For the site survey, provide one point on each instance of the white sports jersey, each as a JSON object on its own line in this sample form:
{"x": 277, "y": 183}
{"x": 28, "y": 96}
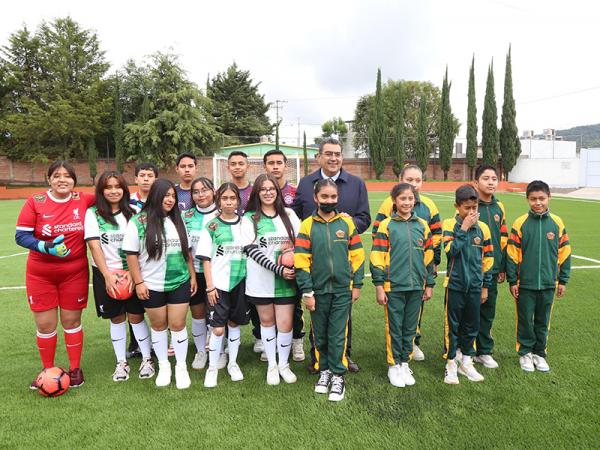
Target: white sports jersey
{"x": 109, "y": 235}
{"x": 272, "y": 239}
{"x": 195, "y": 219}
{"x": 171, "y": 270}
{"x": 222, "y": 243}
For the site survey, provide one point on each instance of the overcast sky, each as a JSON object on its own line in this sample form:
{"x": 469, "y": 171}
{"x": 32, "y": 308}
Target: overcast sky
{"x": 321, "y": 56}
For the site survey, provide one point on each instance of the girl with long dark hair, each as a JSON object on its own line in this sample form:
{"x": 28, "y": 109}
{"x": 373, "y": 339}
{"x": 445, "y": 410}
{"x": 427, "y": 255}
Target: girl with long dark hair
{"x": 162, "y": 269}
{"x": 270, "y": 283}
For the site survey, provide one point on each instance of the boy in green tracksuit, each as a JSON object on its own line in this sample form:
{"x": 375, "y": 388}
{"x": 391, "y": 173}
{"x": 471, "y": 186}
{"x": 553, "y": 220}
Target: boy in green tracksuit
{"x": 329, "y": 260}
{"x": 470, "y": 253}
{"x": 492, "y": 213}
{"x": 538, "y": 266}
{"x": 402, "y": 272}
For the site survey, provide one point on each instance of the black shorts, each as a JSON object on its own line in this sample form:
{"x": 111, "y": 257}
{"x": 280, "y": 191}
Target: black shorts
{"x": 200, "y": 298}
{"x": 106, "y": 306}
{"x": 271, "y": 300}
{"x": 176, "y": 296}
{"x": 230, "y": 306}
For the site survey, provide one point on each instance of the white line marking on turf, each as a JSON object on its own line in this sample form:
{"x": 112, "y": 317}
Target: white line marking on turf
{"x": 555, "y": 197}
{"x": 586, "y": 259}
{"x": 15, "y": 254}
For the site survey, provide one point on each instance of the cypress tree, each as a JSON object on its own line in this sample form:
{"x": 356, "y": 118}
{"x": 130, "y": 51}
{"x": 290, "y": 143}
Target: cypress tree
{"x": 118, "y": 128}
{"x": 377, "y": 131}
{"x": 446, "y": 132}
{"x": 472, "y": 122}
{"x": 510, "y": 145}
{"x": 489, "y": 129}
{"x": 422, "y": 148}
{"x": 398, "y": 144}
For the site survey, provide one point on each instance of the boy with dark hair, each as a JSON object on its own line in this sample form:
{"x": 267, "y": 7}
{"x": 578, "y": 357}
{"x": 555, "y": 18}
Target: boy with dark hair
{"x": 275, "y": 163}
{"x": 145, "y": 175}
{"x": 237, "y": 165}
{"x": 538, "y": 265}
{"x": 470, "y": 253}
{"x": 492, "y": 213}
{"x": 185, "y": 166}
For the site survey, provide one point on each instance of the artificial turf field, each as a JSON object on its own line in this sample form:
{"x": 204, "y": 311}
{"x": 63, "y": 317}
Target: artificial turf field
{"x": 510, "y": 409}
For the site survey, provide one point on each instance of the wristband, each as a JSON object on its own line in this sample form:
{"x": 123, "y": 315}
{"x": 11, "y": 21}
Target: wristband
{"x": 308, "y": 294}
{"x": 141, "y": 282}
{"x": 210, "y": 290}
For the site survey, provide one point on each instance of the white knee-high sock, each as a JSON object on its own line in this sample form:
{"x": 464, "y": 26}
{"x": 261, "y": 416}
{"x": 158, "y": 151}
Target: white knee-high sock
{"x": 160, "y": 344}
{"x": 142, "y": 336}
{"x": 234, "y": 343}
{"x": 214, "y": 350}
{"x": 284, "y": 345}
{"x": 118, "y": 336}
{"x": 199, "y": 334}
{"x": 179, "y": 340}
{"x": 269, "y": 336}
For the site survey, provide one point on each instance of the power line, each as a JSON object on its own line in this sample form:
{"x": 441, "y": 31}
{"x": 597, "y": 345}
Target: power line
{"x": 566, "y": 94}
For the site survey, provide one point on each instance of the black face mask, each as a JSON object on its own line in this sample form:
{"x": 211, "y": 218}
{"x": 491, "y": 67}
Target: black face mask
{"x": 327, "y": 207}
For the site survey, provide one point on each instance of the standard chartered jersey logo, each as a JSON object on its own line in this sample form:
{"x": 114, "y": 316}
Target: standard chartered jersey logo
{"x": 47, "y": 230}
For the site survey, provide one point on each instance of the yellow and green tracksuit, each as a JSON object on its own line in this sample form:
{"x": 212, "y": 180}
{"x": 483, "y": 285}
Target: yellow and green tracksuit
{"x": 428, "y": 211}
{"x": 470, "y": 257}
{"x": 493, "y": 215}
{"x": 538, "y": 258}
{"x": 329, "y": 259}
{"x": 402, "y": 262}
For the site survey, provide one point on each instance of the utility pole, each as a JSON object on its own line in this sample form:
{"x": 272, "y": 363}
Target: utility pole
{"x": 298, "y": 141}
{"x": 278, "y": 106}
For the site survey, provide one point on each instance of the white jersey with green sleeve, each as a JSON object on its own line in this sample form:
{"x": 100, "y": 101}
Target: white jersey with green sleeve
{"x": 110, "y": 236}
{"x": 272, "y": 239}
{"x": 222, "y": 243}
{"x": 171, "y": 270}
{"x": 195, "y": 220}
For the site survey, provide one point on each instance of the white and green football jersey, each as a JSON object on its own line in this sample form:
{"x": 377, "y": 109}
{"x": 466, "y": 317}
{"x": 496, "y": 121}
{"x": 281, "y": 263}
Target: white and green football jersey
{"x": 195, "y": 219}
{"x": 109, "y": 235}
{"x": 171, "y": 270}
{"x": 272, "y": 239}
{"x": 222, "y": 242}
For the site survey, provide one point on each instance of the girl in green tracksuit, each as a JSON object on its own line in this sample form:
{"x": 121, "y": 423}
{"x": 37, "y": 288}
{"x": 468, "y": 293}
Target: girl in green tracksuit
{"x": 329, "y": 260}
{"x": 402, "y": 272}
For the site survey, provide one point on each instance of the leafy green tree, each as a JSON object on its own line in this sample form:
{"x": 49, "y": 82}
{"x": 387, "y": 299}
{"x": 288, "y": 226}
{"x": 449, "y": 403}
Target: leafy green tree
{"x": 239, "y": 110}
{"x": 118, "y": 129}
{"x": 333, "y": 126}
{"x": 398, "y": 153}
{"x": 446, "y": 131}
{"x": 377, "y": 134}
{"x": 471, "y": 122}
{"x": 489, "y": 129}
{"x": 422, "y": 149}
{"x": 173, "y": 114}
{"x": 510, "y": 145}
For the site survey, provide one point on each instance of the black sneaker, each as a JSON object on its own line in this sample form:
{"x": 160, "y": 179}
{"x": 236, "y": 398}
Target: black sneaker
{"x": 338, "y": 388}
{"x": 133, "y": 352}
{"x": 322, "y": 384}
{"x": 76, "y": 377}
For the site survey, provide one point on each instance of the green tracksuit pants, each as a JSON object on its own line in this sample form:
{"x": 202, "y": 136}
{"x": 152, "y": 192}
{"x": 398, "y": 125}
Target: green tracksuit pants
{"x": 401, "y": 317}
{"x": 487, "y": 313}
{"x": 461, "y": 322}
{"x": 329, "y": 326}
{"x": 533, "y": 320}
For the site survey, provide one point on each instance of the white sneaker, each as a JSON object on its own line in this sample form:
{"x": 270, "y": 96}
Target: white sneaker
{"x": 210, "y": 379}
{"x": 182, "y": 377}
{"x": 199, "y": 361}
{"x": 540, "y": 363}
{"x": 286, "y": 373}
{"x": 146, "y": 368}
{"x": 273, "y": 376}
{"x": 526, "y": 362}
{"x": 222, "y": 363}
{"x": 164, "y": 373}
{"x": 418, "y": 354}
{"x": 468, "y": 369}
{"x": 338, "y": 388}
{"x": 451, "y": 376}
{"x": 121, "y": 372}
{"x": 487, "y": 361}
{"x": 322, "y": 384}
{"x": 263, "y": 357}
{"x": 395, "y": 376}
{"x": 234, "y": 372}
{"x": 258, "y": 346}
{"x": 406, "y": 374}
{"x": 298, "y": 350}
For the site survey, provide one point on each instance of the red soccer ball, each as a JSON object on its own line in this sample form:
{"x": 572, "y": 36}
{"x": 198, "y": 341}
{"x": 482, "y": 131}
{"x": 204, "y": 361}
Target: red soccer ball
{"x": 286, "y": 258}
{"x": 122, "y": 291}
{"x": 53, "y": 382}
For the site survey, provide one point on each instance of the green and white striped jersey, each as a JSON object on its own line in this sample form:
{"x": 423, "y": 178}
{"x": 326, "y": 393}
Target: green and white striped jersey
{"x": 272, "y": 239}
{"x": 109, "y": 235}
{"x": 222, "y": 243}
{"x": 171, "y": 270}
{"x": 195, "y": 219}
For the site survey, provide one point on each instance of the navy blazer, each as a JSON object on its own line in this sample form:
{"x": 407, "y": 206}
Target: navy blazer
{"x": 352, "y": 198}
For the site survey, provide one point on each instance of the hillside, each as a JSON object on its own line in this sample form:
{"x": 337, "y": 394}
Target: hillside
{"x": 585, "y": 135}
